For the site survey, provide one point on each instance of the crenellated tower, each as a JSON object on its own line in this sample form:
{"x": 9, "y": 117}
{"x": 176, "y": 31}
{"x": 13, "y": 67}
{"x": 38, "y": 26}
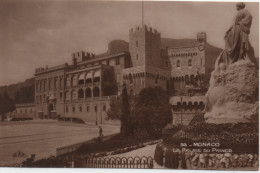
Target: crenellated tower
{"x": 149, "y": 67}
{"x": 201, "y": 38}
{"x": 144, "y": 46}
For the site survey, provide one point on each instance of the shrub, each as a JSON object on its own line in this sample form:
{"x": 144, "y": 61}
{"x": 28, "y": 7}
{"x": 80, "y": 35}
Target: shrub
{"x": 169, "y": 158}
{"x": 158, "y": 155}
{"x": 152, "y": 110}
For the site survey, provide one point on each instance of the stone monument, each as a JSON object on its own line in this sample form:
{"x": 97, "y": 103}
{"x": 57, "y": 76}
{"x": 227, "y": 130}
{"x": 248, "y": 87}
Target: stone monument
{"x": 229, "y": 138}
{"x": 233, "y": 93}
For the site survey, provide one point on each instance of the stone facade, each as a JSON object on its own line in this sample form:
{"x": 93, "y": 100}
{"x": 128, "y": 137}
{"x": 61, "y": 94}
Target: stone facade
{"x": 84, "y": 87}
{"x": 26, "y": 110}
{"x": 190, "y": 71}
{"x": 149, "y": 66}
{"x": 81, "y": 89}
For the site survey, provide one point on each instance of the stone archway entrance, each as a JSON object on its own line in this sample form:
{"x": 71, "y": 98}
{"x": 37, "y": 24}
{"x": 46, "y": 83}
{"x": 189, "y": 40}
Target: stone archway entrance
{"x": 50, "y": 107}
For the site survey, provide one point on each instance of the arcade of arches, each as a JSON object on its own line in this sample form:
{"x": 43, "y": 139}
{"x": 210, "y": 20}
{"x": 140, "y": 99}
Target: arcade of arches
{"x": 188, "y": 80}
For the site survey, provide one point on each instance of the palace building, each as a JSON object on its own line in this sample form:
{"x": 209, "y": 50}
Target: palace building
{"x": 83, "y": 88}
{"x": 191, "y": 67}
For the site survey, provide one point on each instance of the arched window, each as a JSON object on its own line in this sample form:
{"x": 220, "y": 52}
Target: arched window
{"x": 44, "y": 85}
{"x": 74, "y": 80}
{"x": 81, "y": 79}
{"x": 190, "y": 106}
{"x": 193, "y": 80}
{"x": 50, "y": 84}
{"x": 89, "y": 77}
{"x": 201, "y": 106}
{"x": 184, "y": 105}
{"x": 189, "y": 62}
{"x": 80, "y": 93}
{"x": 96, "y": 76}
{"x": 68, "y": 81}
{"x": 187, "y": 80}
{"x": 196, "y": 106}
{"x": 96, "y": 92}
{"x": 88, "y": 93}
{"x": 130, "y": 78}
{"x": 104, "y": 108}
{"x": 74, "y": 95}
{"x": 61, "y": 82}
{"x": 178, "y": 63}
{"x": 55, "y": 83}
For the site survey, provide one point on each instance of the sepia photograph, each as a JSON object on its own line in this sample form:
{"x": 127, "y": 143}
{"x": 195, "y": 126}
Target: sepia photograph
{"x": 170, "y": 85}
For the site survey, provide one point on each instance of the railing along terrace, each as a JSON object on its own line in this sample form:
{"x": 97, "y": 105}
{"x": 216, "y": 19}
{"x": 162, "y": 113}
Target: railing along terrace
{"x": 115, "y": 162}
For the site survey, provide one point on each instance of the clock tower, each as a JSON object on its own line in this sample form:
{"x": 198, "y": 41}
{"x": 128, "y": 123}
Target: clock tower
{"x": 201, "y": 39}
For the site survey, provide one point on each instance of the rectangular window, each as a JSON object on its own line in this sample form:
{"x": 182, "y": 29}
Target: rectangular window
{"x": 166, "y": 64}
{"x": 189, "y": 62}
{"x": 49, "y": 84}
{"x": 104, "y": 108}
{"x": 73, "y": 109}
{"x": 136, "y": 56}
{"x": 68, "y": 81}
{"x": 60, "y": 82}
{"x": 80, "y": 109}
{"x": 55, "y": 83}
{"x": 67, "y": 109}
{"x": 44, "y": 86}
{"x": 136, "y": 43}
{"x": 61, "y": 95}
{"x": 107, "y": 62}
{"x": 87, "y": 108}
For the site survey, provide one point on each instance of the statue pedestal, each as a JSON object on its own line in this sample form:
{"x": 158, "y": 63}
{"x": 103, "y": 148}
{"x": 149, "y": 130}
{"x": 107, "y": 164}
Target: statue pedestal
{"x": 233, "y": 94}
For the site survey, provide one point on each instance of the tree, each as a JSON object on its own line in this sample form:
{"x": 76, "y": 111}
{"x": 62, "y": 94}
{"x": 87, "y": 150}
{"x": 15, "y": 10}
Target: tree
{"x": 1, "y": 105}
{"x": 25, "y": 95}
{"x": 170, "y": 87}
{"x": 115, "y": 108}
{"x": 7, "y": 104}
{"x": 125, "y": 112}
{"x": 152, "y": 110}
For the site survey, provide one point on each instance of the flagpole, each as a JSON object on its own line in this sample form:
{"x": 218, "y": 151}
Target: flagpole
{"x": 142, "y": 12}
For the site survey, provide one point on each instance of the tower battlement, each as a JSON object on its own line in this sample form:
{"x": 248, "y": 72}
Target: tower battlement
{"x": 83, "y": 56}
{"x": 201, "y": 37}
{"x": 144, "y": 28}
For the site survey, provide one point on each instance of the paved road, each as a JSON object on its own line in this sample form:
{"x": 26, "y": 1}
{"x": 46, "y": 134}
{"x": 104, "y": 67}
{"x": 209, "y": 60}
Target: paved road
{"x": 42, "y": 137}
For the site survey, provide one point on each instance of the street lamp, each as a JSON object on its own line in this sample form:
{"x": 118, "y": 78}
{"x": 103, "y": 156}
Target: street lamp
{"x": 96, "y": 114}
{"x": 181, "y": 110}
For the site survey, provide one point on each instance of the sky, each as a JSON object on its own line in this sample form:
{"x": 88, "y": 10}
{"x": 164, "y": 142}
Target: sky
{"x": 36, "y": 33}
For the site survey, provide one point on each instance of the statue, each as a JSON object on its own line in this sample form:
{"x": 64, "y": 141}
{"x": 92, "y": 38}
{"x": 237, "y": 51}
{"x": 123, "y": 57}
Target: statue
{"x": 233, "y": 92}
{"x": 237, "y": 39}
